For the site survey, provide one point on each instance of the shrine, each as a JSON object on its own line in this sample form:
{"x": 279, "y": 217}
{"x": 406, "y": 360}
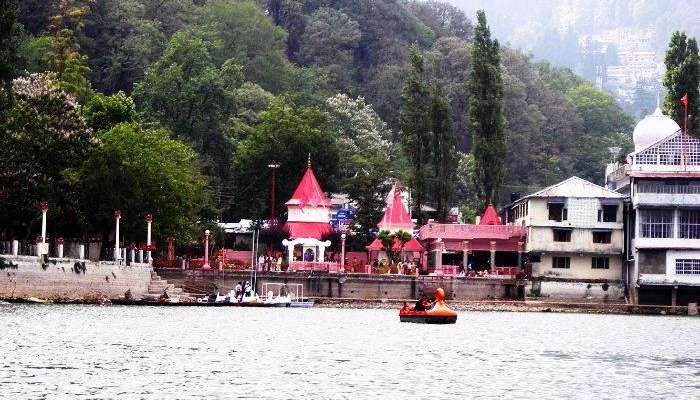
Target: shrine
{"x": 487, "y": 246}
{"x": 308, "y": 221}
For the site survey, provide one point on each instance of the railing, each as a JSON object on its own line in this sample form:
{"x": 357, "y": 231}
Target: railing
{"x": 314, "y": 266}
{"x": 470, "y": 231}
{"x": 668, "y": 189}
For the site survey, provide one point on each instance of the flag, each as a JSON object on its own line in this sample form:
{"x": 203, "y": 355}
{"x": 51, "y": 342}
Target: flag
{"x": 684, "y": 100}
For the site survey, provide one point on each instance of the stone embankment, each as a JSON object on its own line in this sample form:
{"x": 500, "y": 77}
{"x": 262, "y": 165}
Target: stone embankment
{"x": 23, "y": 277}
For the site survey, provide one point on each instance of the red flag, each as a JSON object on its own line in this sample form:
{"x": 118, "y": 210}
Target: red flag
{"x": 684, "y": 100}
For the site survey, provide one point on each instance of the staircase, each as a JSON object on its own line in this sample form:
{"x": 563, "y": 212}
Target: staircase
{"x": 158, "y": 286}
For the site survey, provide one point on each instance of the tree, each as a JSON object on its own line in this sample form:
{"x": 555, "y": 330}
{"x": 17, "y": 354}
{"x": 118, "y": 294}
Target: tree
{"x": 330, "y": 41}
{"x": 444, "y": 153}
{"x": 187, "y": 93}
{"x": 9, "y": 43}
{"x": 682, "y": 76}
{"x": 242, "y": 32}
{"x": 43, "y": 139}
{"x": 102, "y": 112}
{"x": 416, "y": 128}
{"x": 485, "y": 112}
{"x": 64, "y": 57}
{"x": 139, "y": 170}
{"x": 365, "y": 159}
{"x": 286, "y": 135}
{"x": 443, "y": 19}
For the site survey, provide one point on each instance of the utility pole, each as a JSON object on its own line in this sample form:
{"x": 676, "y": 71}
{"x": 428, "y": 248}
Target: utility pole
{"x": 273, "y": 166}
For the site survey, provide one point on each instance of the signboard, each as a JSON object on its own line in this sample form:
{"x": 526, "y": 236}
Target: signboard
{"x": 342, "y": 214}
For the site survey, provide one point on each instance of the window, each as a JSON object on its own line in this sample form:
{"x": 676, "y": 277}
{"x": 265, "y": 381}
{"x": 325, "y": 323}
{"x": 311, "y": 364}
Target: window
{"x": 687, "y": 266}
{"x": 600, "y": 263}
{"x": 535, "y": 257}
{"x": 608, "y": 214}
{"x": 562, "y": 235}
{"x": 557, "y": 212}
{"x": 561, "y": 262}
{"x": 689, "y": 227}
{"x": 602, "y": 236}
{"x": 657, "y": 224}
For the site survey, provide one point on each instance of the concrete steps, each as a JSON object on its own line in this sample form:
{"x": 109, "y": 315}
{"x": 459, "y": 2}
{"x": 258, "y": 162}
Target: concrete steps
{"x": 158, "y": 286}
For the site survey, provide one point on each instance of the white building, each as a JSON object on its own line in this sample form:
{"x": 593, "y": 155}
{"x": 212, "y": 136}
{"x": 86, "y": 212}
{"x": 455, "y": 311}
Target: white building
{"x": 575, "y": 230}
{"x": 661, "y": 180}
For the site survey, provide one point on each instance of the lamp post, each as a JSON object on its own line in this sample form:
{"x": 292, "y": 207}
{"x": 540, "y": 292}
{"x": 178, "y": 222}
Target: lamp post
{"x": 342, "y": 252}
{"x": 149, "y": 220}
{"x": 44, "y": 209}
{"x": 206, "y": 250}
{"x": 117, "y": 253}
{"x": 273, "y": 167}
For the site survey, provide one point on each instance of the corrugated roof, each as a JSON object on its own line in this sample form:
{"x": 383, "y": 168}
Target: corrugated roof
{"x": 575, "y": 187}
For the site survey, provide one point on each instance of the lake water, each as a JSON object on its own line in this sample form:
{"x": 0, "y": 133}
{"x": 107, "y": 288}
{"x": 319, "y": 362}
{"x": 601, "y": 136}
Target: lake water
{"x": 52, "y": 351}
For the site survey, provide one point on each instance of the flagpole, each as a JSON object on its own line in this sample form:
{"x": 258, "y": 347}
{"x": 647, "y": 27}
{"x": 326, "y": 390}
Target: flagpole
{"x": 684, "y": 101}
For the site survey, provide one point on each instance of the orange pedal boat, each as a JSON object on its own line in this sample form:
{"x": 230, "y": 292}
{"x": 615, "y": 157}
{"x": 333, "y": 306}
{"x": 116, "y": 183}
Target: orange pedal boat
{"x": 439, "y": 313}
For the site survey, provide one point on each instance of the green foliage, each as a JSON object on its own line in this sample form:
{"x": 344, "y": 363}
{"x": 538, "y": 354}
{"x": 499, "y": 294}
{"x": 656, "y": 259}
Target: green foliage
{"x": 187, "y": 93}
{"x": 139, "y": 170}
{"x": 365, "y": 158}
{"x": 102, "y": 112}
{"x": 242, "y": 32}
{"x": 330, "y": 41}
{"x": 444, "y": 152}
{"x": 416, "y": 128}
{"x": 43, "y": 139}
{"x": 387, "y": 238}
{"x": 682, "y": 76}
{"x": 485, "y": 113}
{"x": 9, "y": 44}
{"x": 286, "y": 135}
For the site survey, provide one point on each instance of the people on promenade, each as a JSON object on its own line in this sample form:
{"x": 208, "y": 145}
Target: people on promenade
{"x": 238, "y": 291}
{"x": 279, "y": 264}
{"x": 247, "y": 289}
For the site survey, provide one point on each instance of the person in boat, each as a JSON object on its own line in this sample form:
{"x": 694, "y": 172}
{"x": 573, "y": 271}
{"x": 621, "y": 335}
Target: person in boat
{"x": 423, "y": 303}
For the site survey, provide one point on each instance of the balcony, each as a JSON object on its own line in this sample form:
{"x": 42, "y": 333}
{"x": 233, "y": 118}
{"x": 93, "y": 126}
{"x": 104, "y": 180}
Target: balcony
{"x": 658, "y": 194}
{"x": 665, "y": 243}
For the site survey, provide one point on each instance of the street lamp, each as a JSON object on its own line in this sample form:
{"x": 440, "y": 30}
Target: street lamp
{"x": 206, "y": 250}
{"x": 342, "y": 252}
{"x": 44, "y": 209}
{"x": 117, "y": 253}
{"x": 274, "y": 166}
{"x": 149, "y": 220}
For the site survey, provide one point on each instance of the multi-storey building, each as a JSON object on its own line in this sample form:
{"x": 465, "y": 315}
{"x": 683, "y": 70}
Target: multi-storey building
{"x": 575, "y": 230}
{"x": 661, "y": 180}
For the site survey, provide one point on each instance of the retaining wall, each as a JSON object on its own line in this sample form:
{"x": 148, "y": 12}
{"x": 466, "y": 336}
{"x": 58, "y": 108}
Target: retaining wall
{"x": 599, "y": 291}
{"x": 70, "y": 279}
{"x": 351, "y": 286}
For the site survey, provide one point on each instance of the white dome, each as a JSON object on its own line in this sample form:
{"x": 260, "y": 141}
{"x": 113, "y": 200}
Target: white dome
{"x": 653, "y": 128}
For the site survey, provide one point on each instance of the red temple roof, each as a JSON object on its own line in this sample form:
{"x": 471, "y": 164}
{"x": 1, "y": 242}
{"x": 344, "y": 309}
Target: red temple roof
{"x": 309, "y": 192}
{"x": 490, "y": 217}
{"x": 396, "y": 215}
{"x": 411, "y": 245}
{"x": 311, "y": 230}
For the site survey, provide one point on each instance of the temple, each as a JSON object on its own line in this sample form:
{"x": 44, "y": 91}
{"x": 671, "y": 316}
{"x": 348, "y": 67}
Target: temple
{"x": 308, "y": 220}
{"x": 396, "y": 218}
{"x": 486, "y": 246}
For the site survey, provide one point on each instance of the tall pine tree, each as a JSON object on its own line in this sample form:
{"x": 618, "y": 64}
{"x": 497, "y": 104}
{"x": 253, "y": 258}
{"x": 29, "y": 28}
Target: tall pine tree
{"x": 443, "y": 151}
{"x": 415, "y": 127}
{"x": 682, "y": 76}
{"x": 485, "y": 112}
{"x": 10, "y": 31}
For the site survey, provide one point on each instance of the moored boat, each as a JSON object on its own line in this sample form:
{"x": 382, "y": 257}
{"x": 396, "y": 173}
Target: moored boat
{"x": 438, "y": 313}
